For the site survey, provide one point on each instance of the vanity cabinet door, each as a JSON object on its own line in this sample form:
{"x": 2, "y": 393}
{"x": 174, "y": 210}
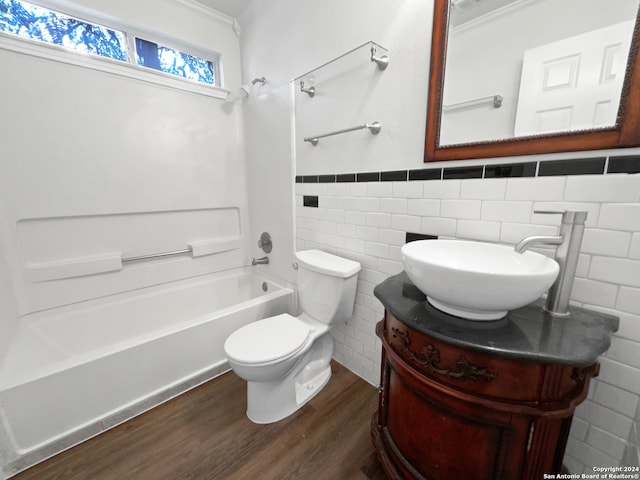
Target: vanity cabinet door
{"x": 435, "y": 436}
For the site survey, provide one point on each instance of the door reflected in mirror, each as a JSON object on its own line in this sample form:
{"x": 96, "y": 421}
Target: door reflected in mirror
{"x": 507, "y": 74}
{"x": 557, "y": 66}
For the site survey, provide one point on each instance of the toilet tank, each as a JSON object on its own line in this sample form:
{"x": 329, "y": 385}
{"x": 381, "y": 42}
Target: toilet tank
{"x": 326, "y": 285}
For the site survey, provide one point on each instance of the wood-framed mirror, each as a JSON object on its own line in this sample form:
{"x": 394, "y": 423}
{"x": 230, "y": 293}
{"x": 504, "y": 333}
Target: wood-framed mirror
{"x": 476, "y": 96}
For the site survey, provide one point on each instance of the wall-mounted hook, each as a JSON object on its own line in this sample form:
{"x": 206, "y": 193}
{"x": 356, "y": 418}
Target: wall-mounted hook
{"x": 382, "y": 62}
{"x": 311, "y": 91}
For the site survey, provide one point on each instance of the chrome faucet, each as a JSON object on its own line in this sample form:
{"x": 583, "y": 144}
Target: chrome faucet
{"x": 260, "y": 261}
{"x": 568, "y": 249}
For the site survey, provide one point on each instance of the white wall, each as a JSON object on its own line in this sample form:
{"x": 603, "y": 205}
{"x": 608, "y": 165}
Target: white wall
{"x": 368, "y": 221}
{"x": 285, "y": 39}
{"x": 96, "y": 163}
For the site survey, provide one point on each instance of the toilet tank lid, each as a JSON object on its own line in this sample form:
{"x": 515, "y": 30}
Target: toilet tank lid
{"x": 327, "y": 264}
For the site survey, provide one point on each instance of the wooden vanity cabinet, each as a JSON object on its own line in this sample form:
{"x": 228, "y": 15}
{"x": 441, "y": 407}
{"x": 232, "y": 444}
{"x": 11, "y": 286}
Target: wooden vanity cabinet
{"x": 449, "y": 413}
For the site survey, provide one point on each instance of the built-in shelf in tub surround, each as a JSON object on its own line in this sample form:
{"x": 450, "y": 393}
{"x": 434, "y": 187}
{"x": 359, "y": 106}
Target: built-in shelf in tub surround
{"x": 482, "y": 400}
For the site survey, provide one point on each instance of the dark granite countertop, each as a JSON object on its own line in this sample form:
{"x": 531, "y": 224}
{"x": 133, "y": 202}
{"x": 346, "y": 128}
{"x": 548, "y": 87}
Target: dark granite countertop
{"x": 527, "y": 333}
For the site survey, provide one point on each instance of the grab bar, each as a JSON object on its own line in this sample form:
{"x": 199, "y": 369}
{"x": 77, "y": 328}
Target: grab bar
{"x": 156, "y": 255}
{"x": 374, "y": 128}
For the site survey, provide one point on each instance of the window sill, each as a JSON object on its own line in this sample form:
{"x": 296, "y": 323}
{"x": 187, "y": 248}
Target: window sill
{"x": 60, "y": 54}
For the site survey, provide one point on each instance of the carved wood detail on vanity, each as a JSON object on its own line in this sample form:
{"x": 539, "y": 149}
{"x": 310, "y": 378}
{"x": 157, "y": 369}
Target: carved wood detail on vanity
{"x": 449, "y": 412}
{"x": 429, "y": 358}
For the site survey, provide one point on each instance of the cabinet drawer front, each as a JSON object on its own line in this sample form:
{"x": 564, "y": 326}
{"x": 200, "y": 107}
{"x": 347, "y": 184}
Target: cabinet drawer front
{"x": 465, "y": 370}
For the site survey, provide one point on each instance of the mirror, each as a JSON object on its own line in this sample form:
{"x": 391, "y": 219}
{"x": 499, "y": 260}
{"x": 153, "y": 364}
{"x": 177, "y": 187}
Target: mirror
{"x": 503, "y": 83}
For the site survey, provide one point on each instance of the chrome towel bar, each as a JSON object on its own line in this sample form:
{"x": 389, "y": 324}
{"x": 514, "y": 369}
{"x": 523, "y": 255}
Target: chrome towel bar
{"x": 156, "y": 255}
{"x": 494, "y": 101}
{"x": 374, "y": 128}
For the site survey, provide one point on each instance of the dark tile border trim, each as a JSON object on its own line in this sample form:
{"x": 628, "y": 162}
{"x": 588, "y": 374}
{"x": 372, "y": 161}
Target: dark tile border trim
{"x": 368, "y": 177}
{"x": 394, "y": 176}
{"x": 628, "y": 164}
{"x": 509, "y": 170}
{"x": 346, "y": 177}
{"x": 578, "y": 166}
{"x": 463, "y": 172}
{"x": 425, "y": 174}
{"x": 543, "y": 168}
{"x": 327, "y": 178}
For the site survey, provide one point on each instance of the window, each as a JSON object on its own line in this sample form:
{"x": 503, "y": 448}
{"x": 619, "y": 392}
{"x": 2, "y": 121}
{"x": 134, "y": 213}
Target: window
{"x": 37, "y": 23}
{"x": 168, "y": 60}
{"x": 55, "y": 28}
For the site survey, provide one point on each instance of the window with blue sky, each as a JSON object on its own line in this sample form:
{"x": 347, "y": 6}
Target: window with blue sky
{"x": 44, "y": 25}
{"x": 38, "y": 23}
{"x": 168, "y": 60}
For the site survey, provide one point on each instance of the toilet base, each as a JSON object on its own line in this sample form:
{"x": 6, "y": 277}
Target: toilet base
{"x": 269, "y": 402}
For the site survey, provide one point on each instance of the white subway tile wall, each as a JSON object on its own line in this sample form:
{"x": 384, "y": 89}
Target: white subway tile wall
{"x": 367, "y": 222}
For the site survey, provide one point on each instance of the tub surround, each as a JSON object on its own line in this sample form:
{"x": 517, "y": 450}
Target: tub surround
{"x": 494, "y": 399}
{"x": 8, "y": 312}
{"x": 149, "y": 169}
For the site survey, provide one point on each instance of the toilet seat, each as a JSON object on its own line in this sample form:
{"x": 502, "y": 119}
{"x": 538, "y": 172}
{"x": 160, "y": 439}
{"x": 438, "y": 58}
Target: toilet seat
{"x": 286, "y": 336}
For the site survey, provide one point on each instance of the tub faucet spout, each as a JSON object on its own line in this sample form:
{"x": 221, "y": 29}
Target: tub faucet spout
{"x": 567, "y": 252}
{"x": 260, "y": 261}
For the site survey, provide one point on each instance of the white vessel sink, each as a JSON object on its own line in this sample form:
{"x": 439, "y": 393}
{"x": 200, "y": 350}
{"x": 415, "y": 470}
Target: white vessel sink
{"x": 475, "y": 280}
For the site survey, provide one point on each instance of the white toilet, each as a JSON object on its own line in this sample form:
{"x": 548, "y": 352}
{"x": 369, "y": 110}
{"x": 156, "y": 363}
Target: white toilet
{"x": 285, "y": 359}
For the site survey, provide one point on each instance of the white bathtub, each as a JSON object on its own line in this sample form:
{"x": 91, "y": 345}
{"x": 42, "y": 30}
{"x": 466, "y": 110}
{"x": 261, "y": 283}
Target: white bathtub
{"x": 74, "y": 371}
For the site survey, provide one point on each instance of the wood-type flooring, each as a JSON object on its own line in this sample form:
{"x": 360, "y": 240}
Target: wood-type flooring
{"x": 204, "y": 434}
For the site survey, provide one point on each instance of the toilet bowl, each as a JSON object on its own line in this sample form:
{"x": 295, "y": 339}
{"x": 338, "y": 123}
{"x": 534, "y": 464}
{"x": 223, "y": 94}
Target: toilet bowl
{"x": 286, "y": 359}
